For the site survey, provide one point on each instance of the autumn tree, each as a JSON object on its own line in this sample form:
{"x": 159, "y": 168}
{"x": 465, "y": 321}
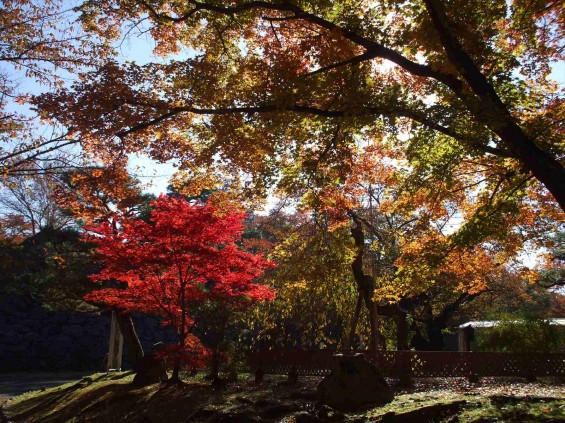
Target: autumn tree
{"x": 286, "y": 92}
{"x": 553, "y": 272}
{"x": 422, "y": 250}
{"x": 187, "y": 254}
{"x": 420, "y": 259}
{"x": 316, "y": 292}
{"x": 41, "y": 254}
{"x": 101, "y": 193}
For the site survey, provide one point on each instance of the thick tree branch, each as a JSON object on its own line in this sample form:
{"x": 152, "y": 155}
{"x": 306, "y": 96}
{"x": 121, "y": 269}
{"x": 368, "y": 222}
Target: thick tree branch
{"x": 492, "y": 111}
{"x": 398, "y": 111}
{"x": 372, "y": 48}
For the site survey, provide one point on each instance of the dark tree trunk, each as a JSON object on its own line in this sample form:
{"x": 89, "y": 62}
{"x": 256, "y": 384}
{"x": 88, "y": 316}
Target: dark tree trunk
{"x": 402, "y": 332}
{"x": 434, "y": 325}
{"x": 130, "y": 338}
{"x": 216, "y": 324}
{"x": 373, "y": 319}
{"x": 175, "y": 377}
{"x": 215, "y": 365}
{"x": 396, "y": 312}
{"x": 365, "y": 283}
{"x": 435, "y": 334}
{"x": 545, "y": 168}
{"x": 432, "y": 340}
{"x": 351, "y": 339}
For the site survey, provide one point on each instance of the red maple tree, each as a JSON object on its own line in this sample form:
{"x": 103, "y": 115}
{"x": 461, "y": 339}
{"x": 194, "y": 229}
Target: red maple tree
{"x": 186, "y": 254}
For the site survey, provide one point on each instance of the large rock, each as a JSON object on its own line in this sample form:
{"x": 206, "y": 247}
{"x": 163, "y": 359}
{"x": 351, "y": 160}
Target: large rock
{"x": 353, "y": 384}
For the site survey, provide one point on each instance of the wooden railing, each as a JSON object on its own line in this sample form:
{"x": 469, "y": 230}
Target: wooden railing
{"x": 414, "y": 364}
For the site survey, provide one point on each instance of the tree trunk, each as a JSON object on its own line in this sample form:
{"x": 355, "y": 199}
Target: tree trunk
{"x": 432, "y": 340}
{"x": 175, "y": 377}
{"x": 130, "y": 337}
{"x": 115, "y": 346}
{"x": 373, "y": 320}
{"x": 216, "y": 324}
{"x": 545, "y": 168}
{"x": 365, "y": 283}
{"x": 351, "y": 339}
{"x": 435, "y": 335}
{"x": 401, "y": 332}
{"x": 215, "y": 365}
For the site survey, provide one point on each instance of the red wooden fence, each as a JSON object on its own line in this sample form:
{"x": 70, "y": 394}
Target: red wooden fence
{"x": 415, "y": 364}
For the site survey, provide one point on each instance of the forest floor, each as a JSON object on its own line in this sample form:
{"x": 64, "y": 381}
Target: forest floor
{"x": 109, "y": 397}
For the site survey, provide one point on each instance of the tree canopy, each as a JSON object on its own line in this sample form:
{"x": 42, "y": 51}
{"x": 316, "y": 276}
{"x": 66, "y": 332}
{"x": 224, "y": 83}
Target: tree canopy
{"x": 269, "y": 78}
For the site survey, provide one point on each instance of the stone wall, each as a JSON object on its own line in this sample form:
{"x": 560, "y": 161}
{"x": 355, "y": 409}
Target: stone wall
{"x": 33, "y": 338}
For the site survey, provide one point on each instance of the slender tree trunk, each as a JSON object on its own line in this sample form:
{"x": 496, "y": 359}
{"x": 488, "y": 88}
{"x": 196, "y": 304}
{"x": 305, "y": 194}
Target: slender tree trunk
{"x": 351, "y": 339}
{"x": 175, "y": 377}
{"x": 130, "y": 338}
{"x": 115, "y": 345}
{"x": 432, "y": 340}
{"x": 373, "y": 320}
{"x": 127, "y": 328}
{"x": 216, "y": 341}
{"x": 365, "y": 283}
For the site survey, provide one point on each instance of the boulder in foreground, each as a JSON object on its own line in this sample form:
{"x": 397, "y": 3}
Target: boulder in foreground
{"x": 354, "y": 384}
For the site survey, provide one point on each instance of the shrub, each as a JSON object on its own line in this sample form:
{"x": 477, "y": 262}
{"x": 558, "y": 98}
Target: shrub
{"x": 521, "y": 335}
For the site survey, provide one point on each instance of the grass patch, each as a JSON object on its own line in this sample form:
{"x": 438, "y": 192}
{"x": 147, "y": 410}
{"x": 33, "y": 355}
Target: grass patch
{"x": 110, "y": 397}
{"x": 511, "y": 409}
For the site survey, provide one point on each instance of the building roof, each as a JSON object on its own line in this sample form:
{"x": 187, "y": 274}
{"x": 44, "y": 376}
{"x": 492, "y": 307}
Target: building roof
{"x": 491, "y": 323}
